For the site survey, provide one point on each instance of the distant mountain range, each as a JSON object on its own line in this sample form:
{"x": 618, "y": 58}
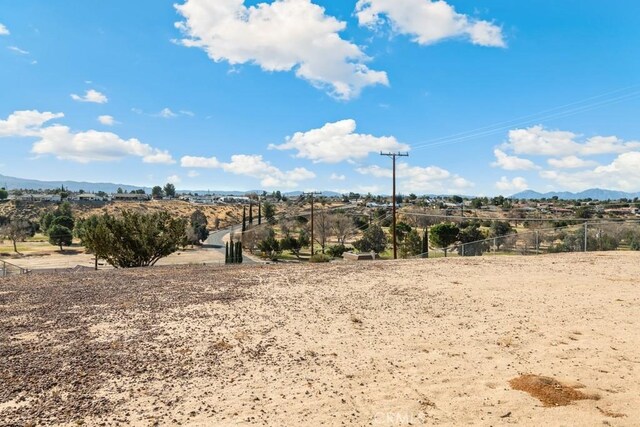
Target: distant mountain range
{"x": 593, "y": 193}
{"x": 13, "y": 183}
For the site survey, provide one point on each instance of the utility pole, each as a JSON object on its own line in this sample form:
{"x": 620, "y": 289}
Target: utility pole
{"x": 393, "y": 156}
{"x": 312, "y": 194}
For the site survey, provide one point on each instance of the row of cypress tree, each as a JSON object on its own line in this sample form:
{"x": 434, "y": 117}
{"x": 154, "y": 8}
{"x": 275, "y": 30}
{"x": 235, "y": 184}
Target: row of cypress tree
{"x": 233, "y": 252}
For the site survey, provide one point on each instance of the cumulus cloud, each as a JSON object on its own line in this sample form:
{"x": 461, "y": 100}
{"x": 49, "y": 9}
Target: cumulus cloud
{"x": 26, "y": 123}
{"x": 199, "y": 162}
{"x": 83, "y": 147}
{"x": 91, "y": 96}
{"x": 253, "y": 166}
{"x": 538, "y": 141}
{"x": 337, "y": 142}
{"x": 621, "y": 174}
{"x": 428, "y": 21}
{"x": 424, "y": 179}
{"x": 514, "y": 185}
{"x": 571, "y": 162}
{"x": 511, "y": 163}
{"x": 107, "y": 120}
{"x": 4, "y": 31}
{"x": 284, "y": 35}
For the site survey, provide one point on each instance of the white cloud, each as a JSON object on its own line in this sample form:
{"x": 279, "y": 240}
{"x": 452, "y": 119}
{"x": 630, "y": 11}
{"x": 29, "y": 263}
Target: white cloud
{"x": 607, "y": 145}
{"x": 336, "y": 177}
{"x": 91, "y": 96}
{"x": 511, "y": 163}
{"x": 26, "y": 123}
{"x": 428, "y": 21}
{"x": 621, "y": 174}
{"x": 537, "y": 141}
{"x": 571, "y": 162}
{"x": 4, "y": 31}
{"x": 193, "y": 174}
{"x": 174, "y": 179}
{"x": 337, "y": 142}
{"x": 421, "y": 179}
{"x": 107, "y": 120}
{"x": 166, "y": 113}
{"x": 199, "y": 162}
{"x": 82, "y": 147}
{"x": 85, "y": 147}
{"x": 253, "y": 166}
{"x": 270, "y": 176}
{"x": 283, "y": 35}
{"x": 16, "y": 49}
{"x": 515, "y": 185}
{"x": 159, "y": 156}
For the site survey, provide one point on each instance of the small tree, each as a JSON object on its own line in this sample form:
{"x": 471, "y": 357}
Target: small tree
{"x": 198, "y": 222}
{"x": 374, "y": 239}
{"x": 3, "y": 194}
{"x": 170, "y": 190}
{"x": 156, "y": 192}
{"x": 498, "y": 230}
{"x": 269, "y": 245}
{"x": 269, "y": 212}
{"x": 59, "y": 235}
{"x": 322, "y": 227}
{"x": 443, "y": 235}
{"x": 17, "y": 230}
{"x": 342, "y": 227}
{"x": 474, "y": 239}
{"x": 136, "y": 239}
{"x": 411, "y": 245}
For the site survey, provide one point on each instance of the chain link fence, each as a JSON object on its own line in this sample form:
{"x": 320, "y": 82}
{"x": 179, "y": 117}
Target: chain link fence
{"x": 583, "y": 237}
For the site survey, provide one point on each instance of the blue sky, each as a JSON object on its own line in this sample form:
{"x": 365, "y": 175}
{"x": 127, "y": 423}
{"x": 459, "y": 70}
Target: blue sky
{"x": 488, "y": 97}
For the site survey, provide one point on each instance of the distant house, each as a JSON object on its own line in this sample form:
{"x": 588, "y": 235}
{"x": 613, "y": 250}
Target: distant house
{"x": 40, "y": 198}
{"x": 130, "y": 197}
{"x": 234, "y": 199}
{"x": 87, "y": 197}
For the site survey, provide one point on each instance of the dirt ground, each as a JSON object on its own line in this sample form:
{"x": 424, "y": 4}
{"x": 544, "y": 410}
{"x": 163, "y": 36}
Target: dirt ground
{"x": 50, "y": 258}
{"x": 459, "y": 341}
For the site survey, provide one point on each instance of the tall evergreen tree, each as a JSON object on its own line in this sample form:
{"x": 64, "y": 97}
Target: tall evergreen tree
{"x": 244, "y": 219}
{"x": 250, "y": 213}
{"x": 259, "y": 213}
{"x": 425, "y": 243}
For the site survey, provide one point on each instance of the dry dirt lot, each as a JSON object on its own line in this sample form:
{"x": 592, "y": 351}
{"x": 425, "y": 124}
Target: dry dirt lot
{"x": 433, "y": 342}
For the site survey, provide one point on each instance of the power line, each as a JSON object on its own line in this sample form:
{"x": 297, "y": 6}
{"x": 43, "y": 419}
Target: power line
{"x": 393, "y": 201}
{"x": 312, "y": 194}
{"x": 520, "y": 121}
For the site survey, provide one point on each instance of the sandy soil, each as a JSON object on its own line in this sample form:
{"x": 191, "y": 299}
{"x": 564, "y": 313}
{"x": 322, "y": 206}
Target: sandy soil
{"x": 429, "y": 342}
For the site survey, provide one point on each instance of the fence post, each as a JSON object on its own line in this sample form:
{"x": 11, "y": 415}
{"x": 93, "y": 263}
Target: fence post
{"x": 537, "y": 243}
{"x": 585, "y": 236}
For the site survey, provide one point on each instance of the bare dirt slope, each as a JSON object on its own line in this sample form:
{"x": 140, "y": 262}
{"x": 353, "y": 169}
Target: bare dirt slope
{"x": 435, "y": 342}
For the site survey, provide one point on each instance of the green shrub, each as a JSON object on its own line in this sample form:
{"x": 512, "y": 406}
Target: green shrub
{"x": 635, "y": 245}
{"x": 320, "y": 258}
{"x": 336, "y": 251}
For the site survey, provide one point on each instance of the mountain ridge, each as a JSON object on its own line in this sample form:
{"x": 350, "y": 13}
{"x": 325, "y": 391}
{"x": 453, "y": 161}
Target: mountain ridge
{"x": 592, "y": 193}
